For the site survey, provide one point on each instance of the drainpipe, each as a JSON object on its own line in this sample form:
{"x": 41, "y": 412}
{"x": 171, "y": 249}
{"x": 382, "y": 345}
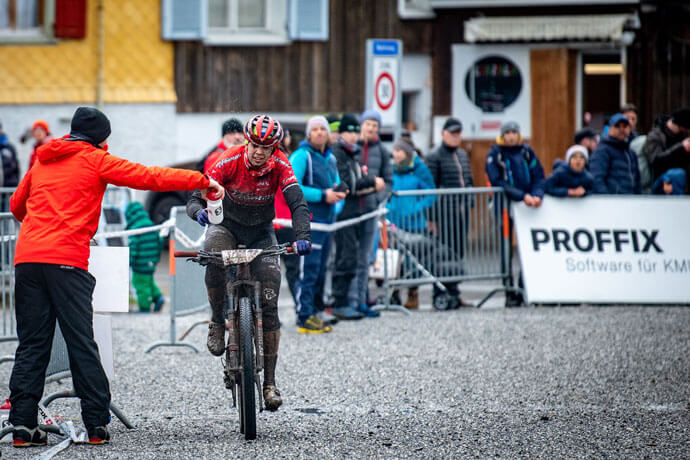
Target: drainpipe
{"x": 100, "y": 77}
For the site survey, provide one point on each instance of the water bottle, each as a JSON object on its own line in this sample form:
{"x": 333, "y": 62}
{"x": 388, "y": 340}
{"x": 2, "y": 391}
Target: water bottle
{"x": 214, "y": 207}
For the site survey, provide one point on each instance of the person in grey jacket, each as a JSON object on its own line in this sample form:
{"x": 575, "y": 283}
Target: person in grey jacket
{"x": 450, "y": 167}
{"x": 374, "y": 160}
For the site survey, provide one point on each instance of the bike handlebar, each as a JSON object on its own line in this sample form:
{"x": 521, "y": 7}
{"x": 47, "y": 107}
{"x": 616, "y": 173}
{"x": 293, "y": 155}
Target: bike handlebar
{"x": 286, "y": 248}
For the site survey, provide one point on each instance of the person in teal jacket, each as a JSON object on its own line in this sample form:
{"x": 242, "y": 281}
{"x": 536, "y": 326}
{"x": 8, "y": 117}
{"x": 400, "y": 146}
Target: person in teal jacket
{"x": 409, "y": 212}
{"x": 317, "y": 173}
{"x": 144, "y": 253}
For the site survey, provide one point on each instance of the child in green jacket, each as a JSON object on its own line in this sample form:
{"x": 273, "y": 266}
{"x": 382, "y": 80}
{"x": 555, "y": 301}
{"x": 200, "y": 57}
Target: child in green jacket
{"x": 144, "y": 253}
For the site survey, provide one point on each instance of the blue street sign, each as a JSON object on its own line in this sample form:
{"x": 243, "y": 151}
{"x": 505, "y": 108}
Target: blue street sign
{"x": 385, "y": 48}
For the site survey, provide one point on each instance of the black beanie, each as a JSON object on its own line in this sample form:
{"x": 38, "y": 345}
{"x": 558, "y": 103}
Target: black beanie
{"x": 348, "y": 124}
{"x": 90, "y": 125}
{"x": 681, "y": 117}
{"x": 233, "y": 125}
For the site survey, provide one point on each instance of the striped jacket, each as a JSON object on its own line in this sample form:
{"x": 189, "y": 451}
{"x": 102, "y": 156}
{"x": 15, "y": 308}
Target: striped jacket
{"x": 144, "y": 249}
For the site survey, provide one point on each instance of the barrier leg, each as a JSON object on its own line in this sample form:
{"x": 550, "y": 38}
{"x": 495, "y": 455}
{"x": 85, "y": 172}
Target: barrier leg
{"x": 171, "y": 344}
{"x": 501, "y": 289}
{"x": 189, "y": 329}
{"x": 386, "y": 306}
{"x": 71, "y": 394}
{"x": 6, "y": 359}
{"x": 123, "y": 418}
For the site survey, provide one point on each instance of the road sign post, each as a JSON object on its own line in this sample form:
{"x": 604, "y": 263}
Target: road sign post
{"x": 382, "y": 86}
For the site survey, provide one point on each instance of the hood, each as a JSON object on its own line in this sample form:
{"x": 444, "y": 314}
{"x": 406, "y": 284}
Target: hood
{"x": 501, "y": 142}
{"x": 676, "y": 176}
{"x": 136, "y": 216}
{"x": 407, "y": 166}
{"x": 59, "y": 149}
{"x": 307, "y": 146}
{"x": 615, "y": 143}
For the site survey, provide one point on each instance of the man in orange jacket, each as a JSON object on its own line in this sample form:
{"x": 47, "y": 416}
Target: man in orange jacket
{"x": 59, "y": 204}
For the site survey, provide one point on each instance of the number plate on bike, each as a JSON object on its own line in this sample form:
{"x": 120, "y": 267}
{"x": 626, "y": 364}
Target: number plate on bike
{"x": 239, "y": 256}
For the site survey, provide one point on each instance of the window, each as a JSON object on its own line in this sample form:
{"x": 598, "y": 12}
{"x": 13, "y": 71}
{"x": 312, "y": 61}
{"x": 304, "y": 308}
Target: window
{"x": 246, "y": 22}
{"x": 25, "y": 20}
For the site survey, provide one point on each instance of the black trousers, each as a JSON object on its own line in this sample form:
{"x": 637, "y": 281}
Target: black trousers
{"x": 44, "y": 293}
{"x": 265, "y": 269}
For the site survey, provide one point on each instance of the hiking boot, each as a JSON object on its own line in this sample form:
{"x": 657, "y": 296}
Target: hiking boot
{"x": 27, "y": 437}
{"x": 272, "y": 399}
{"x": 158, "y": 303}
{"x": 367, "y": 311}
{"x": 395, "y": 298}
{"x": 98, "y": 435}
{"x": 327, "y": 318}
{"x": 216, "y": 338}
{"x": 412, "y": 302}
{"x": 347, "y": 313}
{"x": 312, "y": 325}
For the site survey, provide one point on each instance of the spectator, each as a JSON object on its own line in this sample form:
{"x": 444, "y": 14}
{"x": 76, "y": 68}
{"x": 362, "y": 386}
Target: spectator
{"x": 10, "y": 166}
{"x": 349, "y": 239}
{"x": 375, "y": 161}
{"x": 513, "y": 165}
{"x": 232, "y": 132}
{"x": 450, "y": 167}
{"x": 613, "y": 165}
{"x": 630, "y": 112}
{"x": 285, "y": 234}
{"x": 40, "y": 131}
{"x": 587, "y": 138}
{"x": 571, "y": 178}
{"x": 317, "y": 173}
{"x": 672, "y": 182}
{"x": 286, "y": 143}
{"x": 333, "y": 125}
{"x": 144, "y": 253}
{"x": 58, "y": 202}
{"x": 409, "y": 212}
{"x": 668, "y": 143}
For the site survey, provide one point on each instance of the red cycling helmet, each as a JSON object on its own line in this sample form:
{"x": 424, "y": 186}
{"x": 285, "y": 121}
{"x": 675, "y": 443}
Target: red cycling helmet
{"x": 263, "y": 130}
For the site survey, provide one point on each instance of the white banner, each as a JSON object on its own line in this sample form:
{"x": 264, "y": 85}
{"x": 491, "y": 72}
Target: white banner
{"x": 110, "y": 266}
{"x": 606, "y": 249}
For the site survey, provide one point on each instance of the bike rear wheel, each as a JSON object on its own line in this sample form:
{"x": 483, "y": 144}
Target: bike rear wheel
{"x": 247, "y": 401}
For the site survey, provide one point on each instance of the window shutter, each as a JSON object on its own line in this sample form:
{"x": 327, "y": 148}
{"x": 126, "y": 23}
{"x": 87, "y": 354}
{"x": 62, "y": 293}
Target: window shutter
{"x": 70, "y": 19}
{"x": 184, "y": 19}
{"x": 309, "y": 20}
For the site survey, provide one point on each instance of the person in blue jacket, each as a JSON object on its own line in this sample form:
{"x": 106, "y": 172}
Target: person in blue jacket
{"x": 672, "y": 182}
{"x": 316, "y": 170}
{"x": 571, "y": 178}
{"x": 409, "y": 212}
{"x": 613, "y": 165}
{"x": 513, "y": 165}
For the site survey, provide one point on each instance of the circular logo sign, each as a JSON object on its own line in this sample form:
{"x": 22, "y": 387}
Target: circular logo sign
{"x": 384, "y": 89}
{"x": 493, "y": 83}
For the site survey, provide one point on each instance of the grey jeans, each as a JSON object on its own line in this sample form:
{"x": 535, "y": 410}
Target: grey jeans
{"x": 357, "y": 294}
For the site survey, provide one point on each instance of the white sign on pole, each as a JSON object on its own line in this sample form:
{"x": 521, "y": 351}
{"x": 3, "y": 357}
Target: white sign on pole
{"x": 383, "y": 92}
{"x": 110, "y": 267}
{"x": 605, "y": 249}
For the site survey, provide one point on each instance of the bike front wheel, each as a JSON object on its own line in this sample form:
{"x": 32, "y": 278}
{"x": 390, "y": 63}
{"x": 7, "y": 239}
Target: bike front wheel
{"x": 247, "y": 401}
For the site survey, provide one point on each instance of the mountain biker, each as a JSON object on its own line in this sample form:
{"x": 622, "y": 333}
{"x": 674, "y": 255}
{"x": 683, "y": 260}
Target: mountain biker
{"x": 252, "y": 174}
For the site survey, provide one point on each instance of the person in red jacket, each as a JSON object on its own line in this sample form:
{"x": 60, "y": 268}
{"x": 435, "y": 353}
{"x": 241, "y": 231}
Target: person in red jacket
{"x": 59, "y": 204}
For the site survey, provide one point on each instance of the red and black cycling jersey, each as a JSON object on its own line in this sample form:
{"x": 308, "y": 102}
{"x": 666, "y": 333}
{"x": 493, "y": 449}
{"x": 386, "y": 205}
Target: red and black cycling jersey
{"x": 250, "y": 192}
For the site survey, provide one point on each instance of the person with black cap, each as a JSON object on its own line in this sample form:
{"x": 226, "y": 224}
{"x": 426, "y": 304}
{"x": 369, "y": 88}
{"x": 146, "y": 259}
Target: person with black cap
{"x": 232, "y": 135}
{"x": 587, "y": 138}
{"x": 58, "y": 203}
{"x": 668, "y": 143}
{"x": 450, "y": 168}
{"x": 613, "y": 164}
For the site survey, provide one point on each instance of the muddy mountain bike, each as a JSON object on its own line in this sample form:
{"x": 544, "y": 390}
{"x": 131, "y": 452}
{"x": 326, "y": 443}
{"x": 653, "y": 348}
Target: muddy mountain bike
{"x": 244, "y": 351}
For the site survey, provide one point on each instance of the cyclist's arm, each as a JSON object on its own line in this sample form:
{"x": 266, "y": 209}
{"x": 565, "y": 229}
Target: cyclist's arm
{"x": 195, "y": 205}
{"x": 299, "y": 210}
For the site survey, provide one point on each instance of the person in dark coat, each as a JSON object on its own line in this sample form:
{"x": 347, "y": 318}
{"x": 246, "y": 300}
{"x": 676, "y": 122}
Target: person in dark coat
{"x": 349, "y": 239}
{"x": 450, "y": 167}
{"x": 571, "y": 178}
{"x": 668, "y": 143}
{"x": 513, "y": 165}
{"x": 672, "y": 182}
{"x": 613, "y": 164}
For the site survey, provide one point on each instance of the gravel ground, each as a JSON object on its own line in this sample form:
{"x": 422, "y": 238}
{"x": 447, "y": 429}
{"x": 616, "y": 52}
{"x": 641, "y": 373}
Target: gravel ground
{"x": 580, "y": 382}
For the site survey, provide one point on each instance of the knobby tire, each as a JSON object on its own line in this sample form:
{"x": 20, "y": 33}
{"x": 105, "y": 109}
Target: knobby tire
{"x": 247, "y": 396}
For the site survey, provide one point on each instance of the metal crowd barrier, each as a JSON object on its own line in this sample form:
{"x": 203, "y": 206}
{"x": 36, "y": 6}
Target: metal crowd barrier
{"x": 187, "y": 286}
{"x": 9, "y": 229}
{"x": 446, "y": 236}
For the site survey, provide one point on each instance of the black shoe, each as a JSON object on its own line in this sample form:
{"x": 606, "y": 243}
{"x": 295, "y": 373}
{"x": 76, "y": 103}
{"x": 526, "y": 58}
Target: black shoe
{"x": 26, "y": 437}
{"x": 98, "y": 435}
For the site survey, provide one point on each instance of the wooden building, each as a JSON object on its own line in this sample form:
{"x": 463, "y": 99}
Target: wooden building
{"x": 547, "y": 64}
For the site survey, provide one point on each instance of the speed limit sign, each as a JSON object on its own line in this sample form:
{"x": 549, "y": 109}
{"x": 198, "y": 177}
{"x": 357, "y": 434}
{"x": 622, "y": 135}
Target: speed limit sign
{"x": 383, "y": 81}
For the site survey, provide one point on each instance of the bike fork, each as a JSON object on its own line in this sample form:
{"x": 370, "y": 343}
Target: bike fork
{"x": 259, "y": 341}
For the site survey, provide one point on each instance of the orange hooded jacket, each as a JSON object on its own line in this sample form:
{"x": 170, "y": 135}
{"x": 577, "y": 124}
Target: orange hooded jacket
{"x": 59, "y": 199}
